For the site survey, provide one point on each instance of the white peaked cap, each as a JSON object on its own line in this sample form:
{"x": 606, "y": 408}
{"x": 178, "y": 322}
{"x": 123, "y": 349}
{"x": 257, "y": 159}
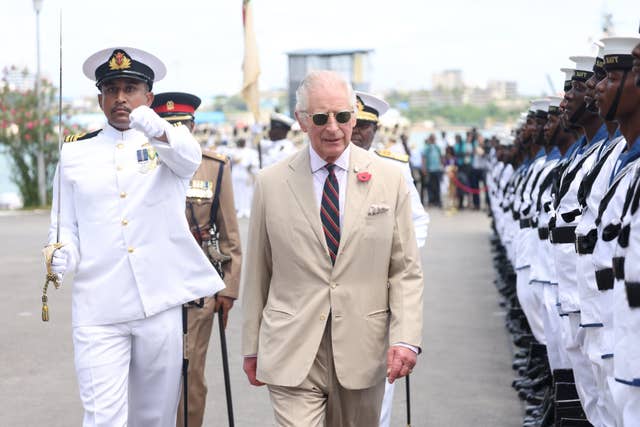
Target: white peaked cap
{"x": 619, "y": 45}
{"x": 541, "y": 104}
{"x": 584, "y": 63}
{"x": 554, "y": 101}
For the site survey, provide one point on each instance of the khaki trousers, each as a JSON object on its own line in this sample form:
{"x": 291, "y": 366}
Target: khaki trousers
{"x": 199, "y": 325}
{"x": 320, "y": 401}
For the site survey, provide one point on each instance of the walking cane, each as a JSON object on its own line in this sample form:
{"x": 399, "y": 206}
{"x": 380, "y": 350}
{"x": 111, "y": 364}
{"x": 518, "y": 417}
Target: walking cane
{"x": 225, "y": 366}
{"x": 408, "y": 389}
{"x": 185, "y": 365}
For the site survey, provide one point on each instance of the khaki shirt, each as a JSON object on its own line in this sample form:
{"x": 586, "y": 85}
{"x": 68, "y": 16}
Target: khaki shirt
{"x": 200, "y": 195}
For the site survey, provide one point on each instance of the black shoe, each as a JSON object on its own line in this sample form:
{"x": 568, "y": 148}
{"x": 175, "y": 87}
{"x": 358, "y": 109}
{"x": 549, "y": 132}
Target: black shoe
{"x": 575, "y": 422}
{"x": 565, "y": 391}
{"x": 563, "y": 376}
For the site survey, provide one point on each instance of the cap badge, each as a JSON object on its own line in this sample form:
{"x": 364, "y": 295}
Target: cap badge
{"x": 170, "y": 105}
{"x": 119, "y": 61}
{"x": 359, "y": 104}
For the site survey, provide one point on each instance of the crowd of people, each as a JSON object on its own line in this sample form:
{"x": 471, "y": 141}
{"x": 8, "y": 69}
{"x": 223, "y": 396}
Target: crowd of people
{"x": 455, "y": 178}
{"x": 564, "y": 194}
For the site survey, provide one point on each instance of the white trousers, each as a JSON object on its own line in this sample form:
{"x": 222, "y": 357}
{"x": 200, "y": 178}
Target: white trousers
{"x": 627, "y": 400}
{"x": 573, "y": 338}
{"x": 556, "y": 352}
{"x": 530, "y": 302}
{"x": 595, "y": 347}
{"x": 129, "y": 373}
{"x": 387, "y": 403}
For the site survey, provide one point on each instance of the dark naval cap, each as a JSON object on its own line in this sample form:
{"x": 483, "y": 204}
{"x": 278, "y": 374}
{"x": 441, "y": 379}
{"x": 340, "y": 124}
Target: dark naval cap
{"x": 370, "y": 107}
{"x": 176, "y": 106}
{"x": 124, "y": 62}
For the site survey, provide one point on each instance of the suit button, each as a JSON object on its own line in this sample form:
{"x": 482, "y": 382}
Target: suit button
{"x": 333, "y": 285}
{"x": 119, "y": 168}
{"x": 123, "y": 195}
{"x": 130, "y": 250}
{"x": 323, "y": 317}
{"x": 124, "y": 222}
{"x": 120, "y": 146}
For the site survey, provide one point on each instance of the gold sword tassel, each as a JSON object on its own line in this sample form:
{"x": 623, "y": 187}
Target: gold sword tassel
{"x": 48, "y": 252}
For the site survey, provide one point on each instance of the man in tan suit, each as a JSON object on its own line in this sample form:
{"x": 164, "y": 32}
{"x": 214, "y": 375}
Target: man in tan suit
{"x": 209, "y": 190}
{"x": 332, "y": 274}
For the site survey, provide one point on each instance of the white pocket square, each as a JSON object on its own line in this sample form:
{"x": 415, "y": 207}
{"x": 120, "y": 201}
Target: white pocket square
{"x": 377, "y": 209}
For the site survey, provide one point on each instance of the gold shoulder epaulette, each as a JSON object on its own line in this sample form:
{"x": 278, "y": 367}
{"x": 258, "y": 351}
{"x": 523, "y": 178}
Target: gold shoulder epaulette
{"x": 215, "y": 156}
{"x": 391, "y": 155}
{"x": 81, "y": 136}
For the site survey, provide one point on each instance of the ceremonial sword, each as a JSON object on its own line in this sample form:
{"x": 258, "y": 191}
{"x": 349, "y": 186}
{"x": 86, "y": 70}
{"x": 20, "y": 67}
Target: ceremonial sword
{"x": 50, "y": 249}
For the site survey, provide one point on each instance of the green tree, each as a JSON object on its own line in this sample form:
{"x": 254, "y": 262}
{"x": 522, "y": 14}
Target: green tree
{"x": 20, "y": 127}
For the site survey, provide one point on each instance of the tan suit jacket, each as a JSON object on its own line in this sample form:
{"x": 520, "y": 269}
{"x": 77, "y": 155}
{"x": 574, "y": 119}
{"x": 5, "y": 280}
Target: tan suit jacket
{"x": 373, "y": 293}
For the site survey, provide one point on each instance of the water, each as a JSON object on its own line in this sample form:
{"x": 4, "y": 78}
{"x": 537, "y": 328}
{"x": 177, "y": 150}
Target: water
{"x": 6, "y": 186}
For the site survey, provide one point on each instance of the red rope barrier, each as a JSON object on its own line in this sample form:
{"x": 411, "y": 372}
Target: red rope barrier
{"x": 466, "y": 188}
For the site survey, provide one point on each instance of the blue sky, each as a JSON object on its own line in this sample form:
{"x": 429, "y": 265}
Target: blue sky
{"x": 201, "y": 40}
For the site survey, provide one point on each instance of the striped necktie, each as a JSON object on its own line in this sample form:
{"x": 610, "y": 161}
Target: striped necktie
{"x": 330, "y": 212}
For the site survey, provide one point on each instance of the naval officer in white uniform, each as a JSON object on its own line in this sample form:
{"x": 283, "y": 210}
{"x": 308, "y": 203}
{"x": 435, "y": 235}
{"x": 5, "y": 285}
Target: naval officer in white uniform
{"x": 370, "y": 108}
{"x": 126, "y": 238}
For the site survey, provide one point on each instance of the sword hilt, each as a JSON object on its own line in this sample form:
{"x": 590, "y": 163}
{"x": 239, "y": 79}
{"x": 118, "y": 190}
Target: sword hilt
{"x": 51, "y": 277}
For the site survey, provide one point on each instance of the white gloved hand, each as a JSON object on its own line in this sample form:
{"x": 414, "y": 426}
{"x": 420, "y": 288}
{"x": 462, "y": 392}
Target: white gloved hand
{"x": 147, "y": 121}
{"x": 60, "y": 261}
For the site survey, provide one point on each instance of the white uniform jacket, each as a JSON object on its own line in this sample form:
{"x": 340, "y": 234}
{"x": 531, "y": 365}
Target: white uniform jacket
{"x": 567, "y": 214}
{"x": 122, "y": 203}
{"x": 627, "y": 295}
{"x": 591, "y": 299}
{"x": 419, "y": 216}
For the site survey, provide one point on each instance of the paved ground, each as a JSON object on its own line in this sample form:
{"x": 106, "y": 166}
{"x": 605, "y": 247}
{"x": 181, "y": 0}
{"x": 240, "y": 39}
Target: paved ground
{"x": 462, "y": 379}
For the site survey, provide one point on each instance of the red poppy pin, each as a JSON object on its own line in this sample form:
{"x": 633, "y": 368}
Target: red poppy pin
{"x": 364, "y": 176}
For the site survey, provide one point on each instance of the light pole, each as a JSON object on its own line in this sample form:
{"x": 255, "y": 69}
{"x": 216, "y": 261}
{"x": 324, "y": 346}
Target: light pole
{"x": 42, "y": 184}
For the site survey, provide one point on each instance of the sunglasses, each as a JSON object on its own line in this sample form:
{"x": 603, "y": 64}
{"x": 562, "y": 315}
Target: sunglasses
{"x": 321, "y": 119}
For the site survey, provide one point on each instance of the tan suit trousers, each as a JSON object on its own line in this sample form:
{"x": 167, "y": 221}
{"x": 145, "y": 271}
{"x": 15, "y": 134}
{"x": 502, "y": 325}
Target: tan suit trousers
{"x": 320, "y": 401}
{"x": 199, "y": 324}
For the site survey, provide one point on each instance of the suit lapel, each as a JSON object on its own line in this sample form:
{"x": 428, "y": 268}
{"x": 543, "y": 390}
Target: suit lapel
{"x": 357, "y": 193}
{"x": 300, "y": 181}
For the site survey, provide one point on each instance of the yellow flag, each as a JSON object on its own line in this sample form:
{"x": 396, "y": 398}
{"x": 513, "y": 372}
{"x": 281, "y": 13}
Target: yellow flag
{"x": 251, "y": 63}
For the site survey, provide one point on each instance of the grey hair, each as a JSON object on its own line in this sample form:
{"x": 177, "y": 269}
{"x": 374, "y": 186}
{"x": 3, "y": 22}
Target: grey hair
{"x": 317, "y": 77}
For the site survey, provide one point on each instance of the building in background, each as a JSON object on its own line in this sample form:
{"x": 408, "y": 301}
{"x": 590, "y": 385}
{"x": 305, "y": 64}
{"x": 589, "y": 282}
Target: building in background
{"x": 353, "y": 65}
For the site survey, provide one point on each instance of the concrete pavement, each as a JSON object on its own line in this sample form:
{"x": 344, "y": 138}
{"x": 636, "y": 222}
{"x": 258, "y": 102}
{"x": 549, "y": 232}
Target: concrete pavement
{"x": 462, "y": 378}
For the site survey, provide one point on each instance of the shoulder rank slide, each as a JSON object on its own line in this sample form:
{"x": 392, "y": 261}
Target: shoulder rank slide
{"x": 215, "y": 156}
{"x": 81, "y": 136}
{"x": 391, "y": 155}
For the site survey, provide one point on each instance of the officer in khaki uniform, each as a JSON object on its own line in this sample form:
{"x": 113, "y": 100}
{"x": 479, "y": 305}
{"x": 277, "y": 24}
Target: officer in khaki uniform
{"x": 215, "y": 168}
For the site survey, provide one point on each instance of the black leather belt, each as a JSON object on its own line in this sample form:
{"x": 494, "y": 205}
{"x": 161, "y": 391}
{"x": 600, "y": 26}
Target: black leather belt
{"x": 585, "y": 244}
{"x": 563, "y": 235}
{"x": 571, "y": 215}
{"x": 633, "y": 293}
{"x": 610, "y": 232}
{"x": 618, "y": 267}
{"x": 604, "y": 279}
{"x": 623, "y": 236}
{"x": 543, "y": 233}
{"x": 526, "y": 223}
